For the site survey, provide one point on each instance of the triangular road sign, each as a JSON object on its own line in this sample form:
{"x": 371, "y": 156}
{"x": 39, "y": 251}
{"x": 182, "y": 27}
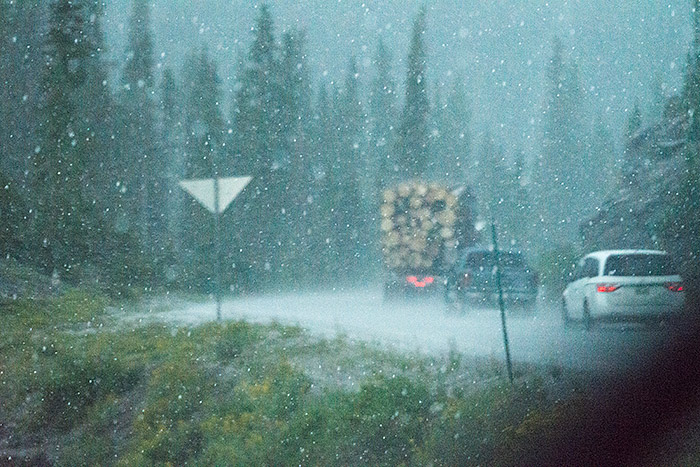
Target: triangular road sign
{"x": 203, "y": 191}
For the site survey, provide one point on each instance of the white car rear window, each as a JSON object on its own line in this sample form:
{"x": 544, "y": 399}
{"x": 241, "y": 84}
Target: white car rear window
{"x": 639, "y": 265}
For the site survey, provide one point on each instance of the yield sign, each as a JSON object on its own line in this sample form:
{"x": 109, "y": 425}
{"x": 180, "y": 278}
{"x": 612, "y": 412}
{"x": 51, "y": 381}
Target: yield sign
{"x": 203, "y": 191}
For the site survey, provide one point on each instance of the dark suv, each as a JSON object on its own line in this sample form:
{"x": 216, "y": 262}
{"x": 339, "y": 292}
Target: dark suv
{"x": 472, "y": 280}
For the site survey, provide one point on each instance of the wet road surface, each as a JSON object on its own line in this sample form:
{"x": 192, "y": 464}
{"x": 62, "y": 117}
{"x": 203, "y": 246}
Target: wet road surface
{"x": 426, "y": 325}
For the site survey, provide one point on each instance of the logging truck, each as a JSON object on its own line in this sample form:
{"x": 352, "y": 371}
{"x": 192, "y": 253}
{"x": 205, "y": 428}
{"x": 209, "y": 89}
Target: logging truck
{"x": 423, "y": 225}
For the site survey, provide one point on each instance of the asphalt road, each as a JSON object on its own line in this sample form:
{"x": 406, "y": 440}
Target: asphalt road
{"x": 427, "y": 326}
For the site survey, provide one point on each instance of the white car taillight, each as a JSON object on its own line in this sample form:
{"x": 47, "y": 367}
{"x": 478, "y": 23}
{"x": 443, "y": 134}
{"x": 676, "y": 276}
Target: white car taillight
{"x": 607, "y": 288}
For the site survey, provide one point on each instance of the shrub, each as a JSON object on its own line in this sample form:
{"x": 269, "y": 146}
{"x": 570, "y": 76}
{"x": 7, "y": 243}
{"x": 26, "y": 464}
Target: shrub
{"x": 389, "y": 417}
{"x": 71, "y": 381}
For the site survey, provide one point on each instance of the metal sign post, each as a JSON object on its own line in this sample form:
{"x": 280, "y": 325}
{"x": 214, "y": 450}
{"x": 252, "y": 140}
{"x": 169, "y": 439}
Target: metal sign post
{"x": 217, "y": 248}
{"x": 501, "y": 304}
{"x": 215, "y": 194}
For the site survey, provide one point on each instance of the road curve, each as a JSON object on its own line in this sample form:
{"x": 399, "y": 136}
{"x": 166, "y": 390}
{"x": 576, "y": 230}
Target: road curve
{"x": 427, "y": 326}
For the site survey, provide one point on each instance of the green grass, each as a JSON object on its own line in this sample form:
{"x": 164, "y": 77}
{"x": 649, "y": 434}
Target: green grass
{"x": 243, "y": 394}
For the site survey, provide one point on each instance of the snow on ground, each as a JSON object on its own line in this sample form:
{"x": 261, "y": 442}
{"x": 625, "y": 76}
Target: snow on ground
{"x": 425, "y": 325}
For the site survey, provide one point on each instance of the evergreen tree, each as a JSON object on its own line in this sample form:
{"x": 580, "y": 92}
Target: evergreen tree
{"x": 630, "y": 170}
{"x": 451, "y": 136}
{"x": 263, "y": 153}
{"x": 295, "y": 105}
{"x": 456, "y": 133}
{"x": 380, "y": 167}
{"x": 634, "y": 122}
{"x": 204, "y": 129}
{"x": 502, "y": 195}
{"x": 140, "y": 165}
{"x": 516, "y": 206}
{"x": 96, "y": 111}
{"x": 172, "y": 148}
{"x": 412, "y": 152}
{"x": 603, "y": 150}
{"x": 322, "y": 191}
{"x": 295, "y": 110}
{"x": 258, "y": 119}
{"x": 64, "y": 219}
{"x": 349, "y": 211}
{"x": 13, "y": 243}
{"x": 658, "y": 98}
{"x": 489, "y": 185}
{"x": 22, "y": 38}
{"x": 563, "y": 164}
{"x": 439, "y": 150}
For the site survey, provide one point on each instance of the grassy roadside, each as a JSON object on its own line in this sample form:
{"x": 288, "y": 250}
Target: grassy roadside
{"x": 77, "y": 390}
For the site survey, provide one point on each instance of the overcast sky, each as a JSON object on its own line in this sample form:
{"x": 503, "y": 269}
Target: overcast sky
{"x": 501, "y": 46}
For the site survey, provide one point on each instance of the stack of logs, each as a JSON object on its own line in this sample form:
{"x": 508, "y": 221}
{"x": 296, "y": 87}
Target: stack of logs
{"x": 418, "y": 224}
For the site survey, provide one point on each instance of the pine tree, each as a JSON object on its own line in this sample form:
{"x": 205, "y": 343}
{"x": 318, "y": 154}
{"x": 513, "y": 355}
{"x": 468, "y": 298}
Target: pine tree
{"x": 489, "y": 185}
{"x": 258, "y": 115}
{"x": 172, "y": 148}
{"x": 563, "y": 163}
{"x": 204, "y": 157}
{"x": 634, "y": 122}
{"x": 412, "y": 152}
{"x": 64, "y": 219}
{"x": 13, "y": 243}
{"x": 439, "y": 149}
{"x": 516, "y": 206}
{"x": 260, "y": 142}
{"x": 658, "y": 98}
{"x": 5, "y": 34}
{"x": 96, "y": 110}
{"x": 630, "y": 170}
{"x": 295, "y": 121}
{"x": 295, "y": 104}
{"x": 322, "y": 191}
{"x": 349, "y": 211}
{"x": 380, "y": 167}
{"x": 456, "y": 133}
{"x": 23, "y": 32}
{"x": 604, "y": 152}
{"x": 450, "y": 139}
{"x": 140, "y": 165}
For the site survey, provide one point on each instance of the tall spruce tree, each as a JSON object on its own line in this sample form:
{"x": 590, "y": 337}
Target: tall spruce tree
{"x": 439, "y": 150}
{"x": 262, "y": 152}
{"x": 349, "y": 211}
{"x": 516, "y": 205}
{"x": 22, "y": 40}
{"x": 171, "y": 147}
{"x": 603, "y": 148}
{"x": 64, "y": 219}
{"x": 562, "y": 164}
{"x": 96, "y": 110}
{"x": 296, "y": 173}
{"x": 380, "y": 167}
{"x": 456, "y": 134}
{"x": 450, "y": 136}
{"x": 629, "y": 171}
{"x": 141, "y": 168}
{"x": 489, "y": 186}
{"x": 204, "y": 157}
{"x": 634, "y": 122}
{"x": 257, "y": 114}
{"x": 322, "y": 190}
{"x": 412, "y": 151}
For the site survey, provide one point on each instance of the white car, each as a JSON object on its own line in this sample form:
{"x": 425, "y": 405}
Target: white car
{"x": 622, "y": 285}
